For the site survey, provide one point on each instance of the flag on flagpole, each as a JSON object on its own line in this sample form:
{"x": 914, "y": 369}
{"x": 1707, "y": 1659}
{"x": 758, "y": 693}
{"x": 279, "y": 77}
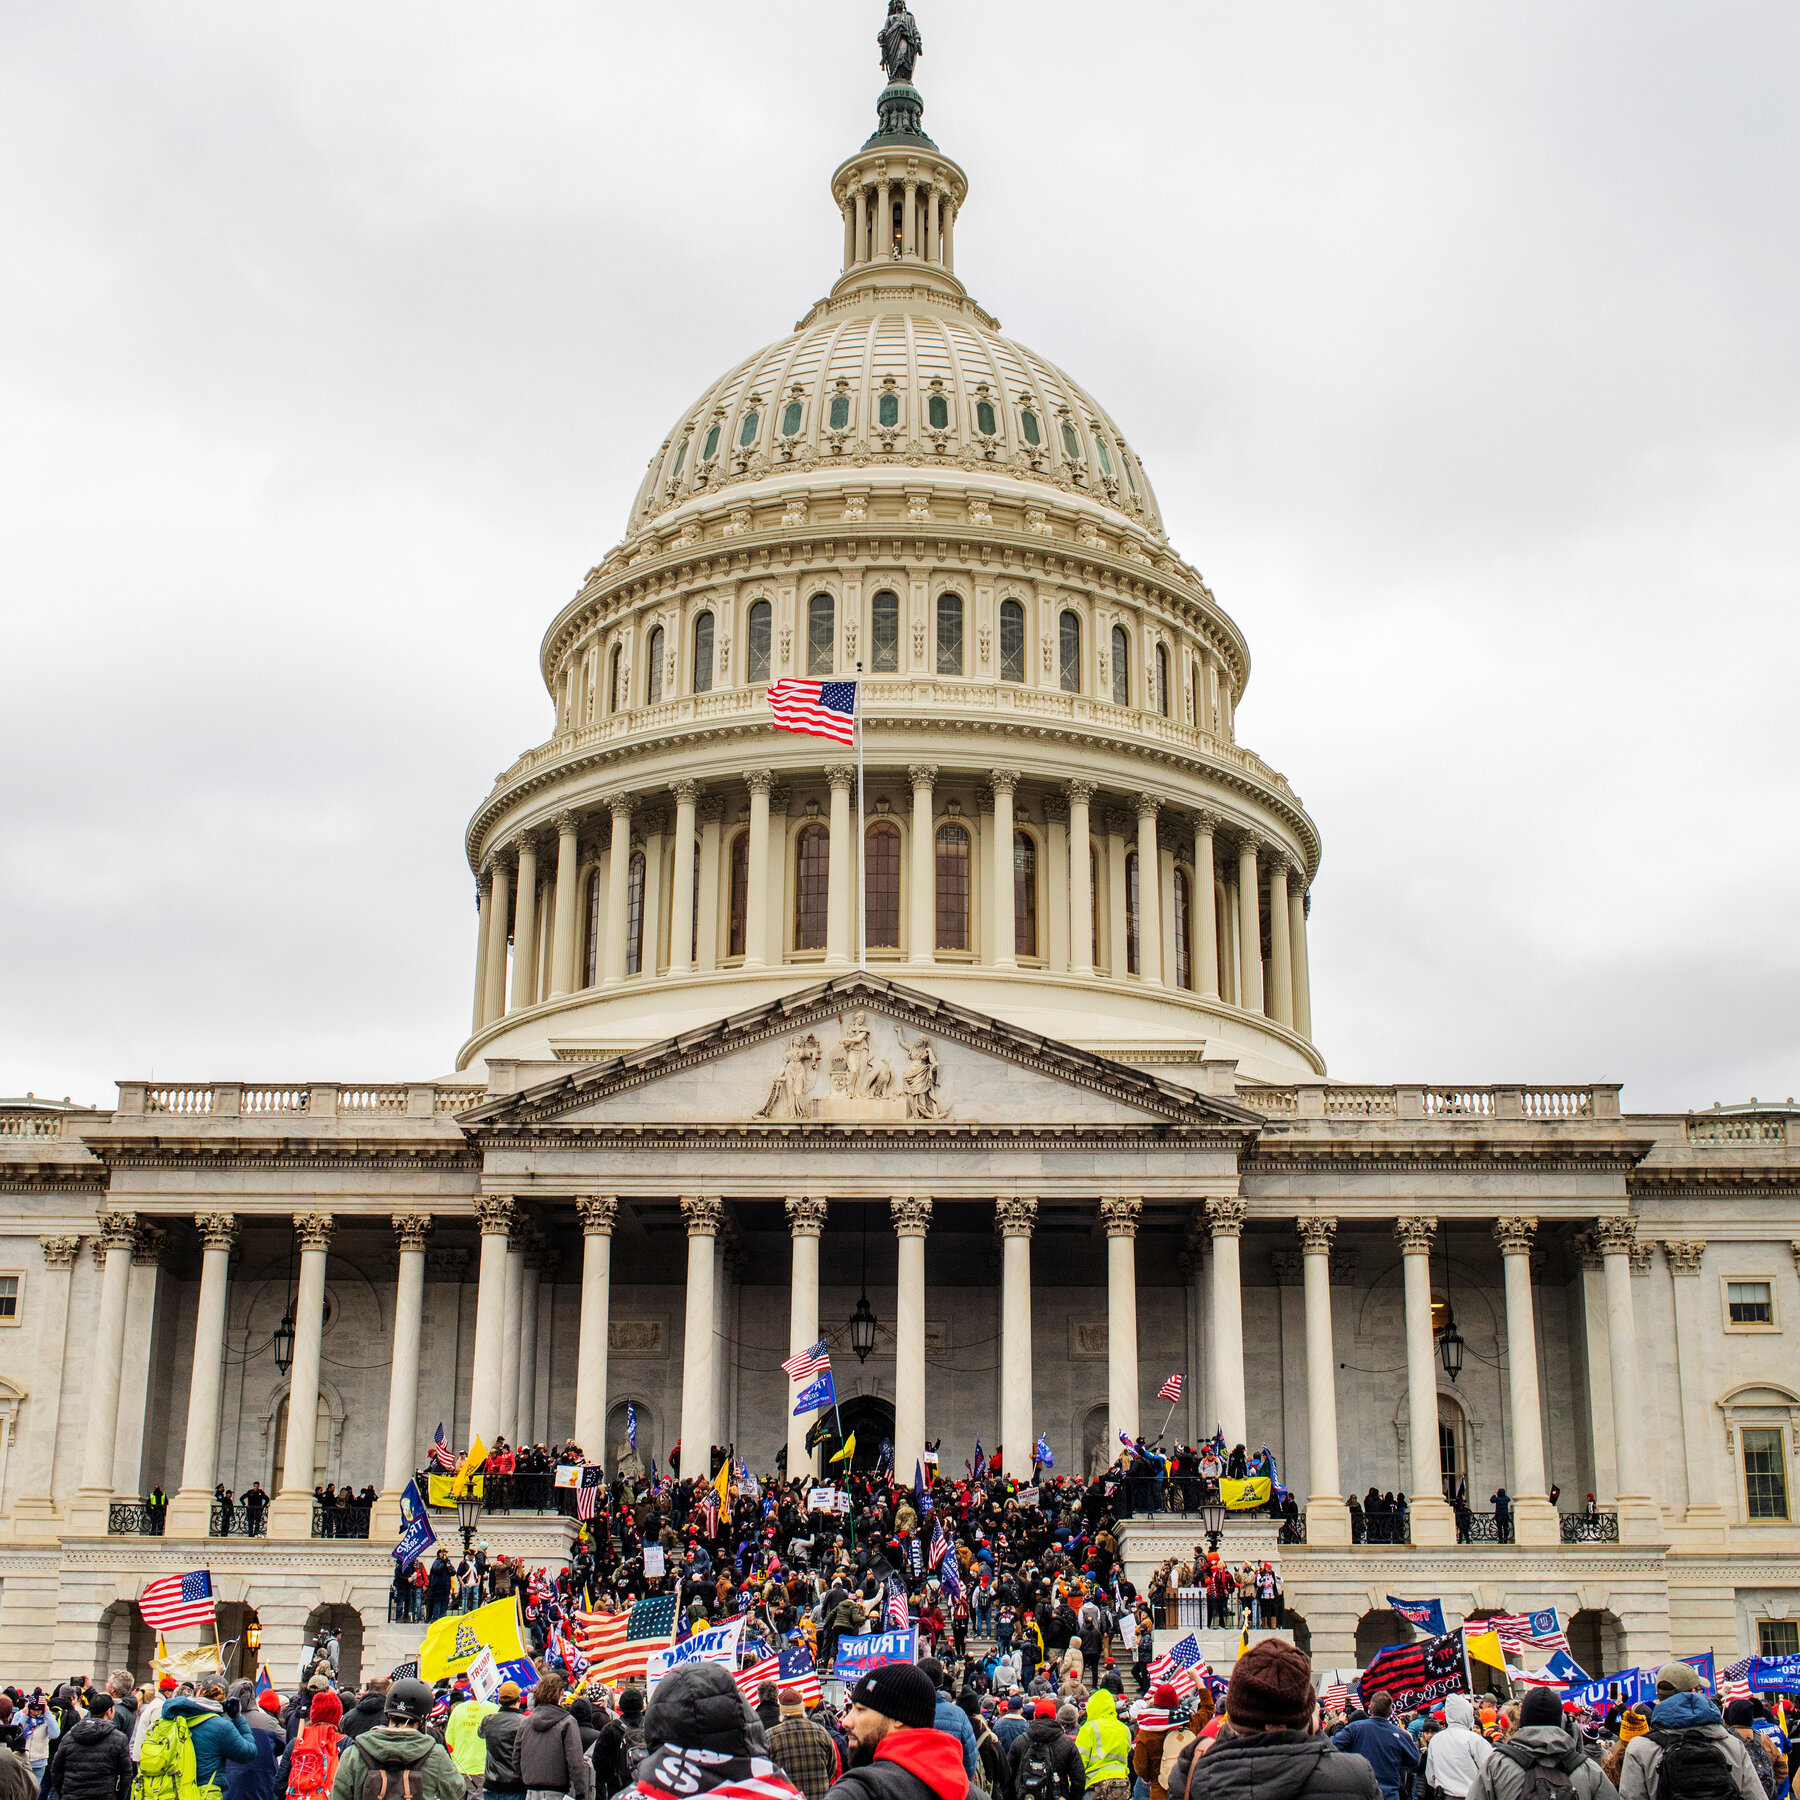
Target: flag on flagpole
{"x": 1043, "y": 1452}
{"x": 848, "y": 1451}
{"x": 799, "y": 1670}
{"x": 1170, "y": 1389}
{"x": 824, "y": 709}
{"x": 631, "y": 1424}
{"x": 441, "y": 1456}
{"x": 465, "y": 1470}
{"x": 803, "y": 1365}
{"x": 1181, "y": 1666}
{"x": 899, "y": 1614}
{"x": 817, "y": 1396}
{"x": 588, "y": 1491}
{"x": 178, "y": 1601}
{"x": 620, "y": 1644}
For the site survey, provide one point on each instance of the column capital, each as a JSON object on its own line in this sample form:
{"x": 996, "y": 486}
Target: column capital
{"x": 654, "y": 820}
{"x": 911, "y": 1214}
{"x": 1119, "y": 1215}
{"x": 1226, "y": 1217}
{"x": 759, "y": 781}
{"x": 1003, "y": 781}
{"x": 566, "y": 823}
{"x": 1148, "y": 804}
{"x": 685, "y": 792}
{"x": 1615, "y": 1237}
{"x": 1206, "y": 822}
{"x": 598, "y": 1212}
{"x": 218, "y": 1231}
{"x": 619, "y": 803}
{"x": 413, "y": 1229}
{"x": 314, "y": 1230}
{"x": 984, "y": 799}
{"x": 1640, "y": 1255}
{"x": 1056, "y": 809}
{"x": 484, "y": 885}
{"x": 1586, "y": 1251}
{"x": 1015, "y": 1215}
{"x": 114, "y": 1231}
{"x": 841, "y": 775}
{"x": 922, "y": 775}
{"x": 806, "y": 1215}
{"x": 498, "y": 1214}
{"x": 704, "y": 1214}
{"x": 1081, "y": 792}
{"x": 1514, "y": 1234}
{"x": 1415, "y": 1232}
{"x": 1684, "y": 1254}
{"x": 61, "y": 1252}
{"x": 1276, "y": 862}
{"x": 1250, "y": 845}
{"x": 1316, "y": 1235}
{"x": 711, "y": 809}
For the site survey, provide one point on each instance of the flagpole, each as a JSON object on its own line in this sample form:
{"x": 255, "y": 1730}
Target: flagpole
{"x": 862, "y": 833}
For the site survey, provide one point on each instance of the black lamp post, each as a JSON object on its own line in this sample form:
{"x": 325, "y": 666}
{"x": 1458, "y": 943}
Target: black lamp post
{"x": 862, "y": 1321}
{"x": 1450, "y": 1340}
{"x": 468, "y": 1514}
{"x": 1212, "y": 1521}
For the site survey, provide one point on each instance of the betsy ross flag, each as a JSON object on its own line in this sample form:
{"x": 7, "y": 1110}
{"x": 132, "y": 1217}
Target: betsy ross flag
{"x": 1170, "y": 1390}
{"x": 587, "y": 1491}
{"x": 803, "y": 1365}
{"x": 750, "y": 1679}
{"x": 441, "y": 1456}
{"x": 824, "y": 709}
{"x": 1181, "y": 1666}
{"x": 799, "y": 1671}
{"x": 178, "y": 1601}
{"x": 619, "y": 1644}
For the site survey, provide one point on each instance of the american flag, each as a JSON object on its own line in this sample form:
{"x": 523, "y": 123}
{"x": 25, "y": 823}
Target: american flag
{"x": 1170, "y": 1389}
{"x": 588, "y": 1490}
{"x": 178, "y": 1601}
{"x": 1732, "y": 1682}
{"x": 1181, "y": 1666}
{"x": 824, "y": 709}
{"x": 620, "y": 1643}
{"x": 441, "y": 1456}
{"x": 1335, "y": 1697}
{"x": 803, "y": 1365}
{"x": 750, "y": 1679}
{"x": 940, "y": 1545}
{"x": 1524, "y": 1631}
{"x": 899, "y": 1614}
{"x": 709, "y": 1512}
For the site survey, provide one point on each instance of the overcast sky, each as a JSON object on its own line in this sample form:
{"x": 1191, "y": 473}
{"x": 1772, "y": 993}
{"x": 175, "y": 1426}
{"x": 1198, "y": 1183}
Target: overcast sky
{"x": 1459, "y": 340}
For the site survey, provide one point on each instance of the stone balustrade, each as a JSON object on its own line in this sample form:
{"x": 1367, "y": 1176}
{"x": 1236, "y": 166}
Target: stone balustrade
{"x": 247, "y": 1101}
{"x": 1499, "y": 1101}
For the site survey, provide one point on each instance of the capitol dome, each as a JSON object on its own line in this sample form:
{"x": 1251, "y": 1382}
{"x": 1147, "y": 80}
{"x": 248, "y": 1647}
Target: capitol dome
{"x": 1054, "y": 823}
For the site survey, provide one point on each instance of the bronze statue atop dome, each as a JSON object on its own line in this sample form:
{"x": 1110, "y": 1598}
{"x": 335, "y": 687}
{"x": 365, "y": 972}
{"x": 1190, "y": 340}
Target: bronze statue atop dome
{"x": 901, "y": 45}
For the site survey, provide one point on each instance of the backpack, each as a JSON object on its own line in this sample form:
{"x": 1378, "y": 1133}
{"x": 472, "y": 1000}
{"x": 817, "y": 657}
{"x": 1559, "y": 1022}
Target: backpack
{"x": 1543, "y": 1781}
{"x": 632, "y": 1753}
{"x": 1694, "y": 1766}
{"x": 166, "y": 1766}
{"x": 1039, "y": 1779}
{"x": 313, "y": 1765}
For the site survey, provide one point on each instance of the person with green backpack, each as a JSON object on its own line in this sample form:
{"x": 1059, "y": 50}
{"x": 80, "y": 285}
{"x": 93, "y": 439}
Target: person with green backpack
{"x": 185, "y": 1752}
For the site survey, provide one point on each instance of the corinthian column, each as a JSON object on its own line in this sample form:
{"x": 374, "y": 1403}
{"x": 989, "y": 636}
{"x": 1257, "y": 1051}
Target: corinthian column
{"x": 1281, "y": 959}
{"x": 923, "y": 905}
{"x": 1081, "y": 880}
{"x": 525, "y": 962}
{"x": 618, "y": 877}
{"x": 681, "y": 895}
{"x": 484, "y": 901}
{"x": 1206, "y": 923}
{"x": 1015, "y": 1217}
{"x": 1250, "y": 982}
{"x": 598, "y": 1213}
{"x": 1534, "y": 1518}
{"x": 566, "y": 905}
{"x": 756, "y": 902}
{"x": 1149, "y": 892}
{"x": 191, "y": 1507}
{"x": 1302, "y": 970}
{"x": 1226, "y": 1220}
{"x": 113, "y": 1251}
{"x": 1004, "y": 932}
{"x": 290, "y": 1513}
{"x": 703, "y": 1214}
{"x": 1640, "y": 1519}
{"x": 1120, "y": 1219}
{"x": 840, "y": 904}
{"x": 498, "y": 1218}
{"x": 806, "y": 1221}
{"x": 38, "y": 1499}
{"x": 1327, "y": 1518}
{"x": 412, "y": 1230}
{"x": 1432, "y": 1520}
{"x": 912, "y": 1219}
{"x": 499, "y": 924}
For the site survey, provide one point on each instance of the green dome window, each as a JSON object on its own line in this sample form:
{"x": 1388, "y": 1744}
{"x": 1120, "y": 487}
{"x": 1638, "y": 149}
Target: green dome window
{"x": 937, "y": 409}
{"x": 1028, "y": 421}
{"x": 747, "y": 436}
{"x": 840, "y": 412}
{"x": 712, "y": 445}
{"x": 889, "y": 413}
{"x": 1071, "y": 443}
{"x": 1105, "y": 460}
{"x": 790, "y": 419}
{"x": 985, "y": 422}
{"x": 680, "y": 458}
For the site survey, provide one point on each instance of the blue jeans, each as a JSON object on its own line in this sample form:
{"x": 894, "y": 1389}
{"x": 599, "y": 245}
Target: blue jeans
{"x": 980, "y": 1611}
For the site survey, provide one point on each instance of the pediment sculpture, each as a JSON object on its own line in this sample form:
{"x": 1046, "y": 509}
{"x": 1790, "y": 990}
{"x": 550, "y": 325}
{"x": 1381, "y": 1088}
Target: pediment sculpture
{"x": 861, "y": 1084}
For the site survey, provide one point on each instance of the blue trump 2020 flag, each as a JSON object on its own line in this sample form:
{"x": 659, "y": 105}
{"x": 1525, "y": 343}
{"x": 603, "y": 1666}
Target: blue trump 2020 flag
{"x": 1426, "y": 1615}
{"x": 815, "y": 1398}
{"x": 416, "y": 1535}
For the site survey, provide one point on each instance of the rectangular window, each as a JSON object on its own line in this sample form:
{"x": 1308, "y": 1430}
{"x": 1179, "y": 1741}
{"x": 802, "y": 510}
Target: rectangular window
{"x": 949, "y": 634}
{"x": 1012, "y": 641}
{"x": 761, "y": 619}
{"x": 812, "y": 888}
{"x": 881, "y": 875}
{"x": 952, "y": 888}
{"x": 1777, "y": 1637}
{"x": 884, "y": 633}
{"x": 821, "y": 635}
{"x": 1765, "y": 1474}
{"x": 1025, "y": 931}
{"x": 1750, "y": 1302}
{"x": 1131, "y": 914}
{"x": 9, "y": 1299}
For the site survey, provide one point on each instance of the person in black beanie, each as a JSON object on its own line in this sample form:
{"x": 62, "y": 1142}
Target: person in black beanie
{"x": 700, "y": 1734}
{"x": 895, "y": 1751}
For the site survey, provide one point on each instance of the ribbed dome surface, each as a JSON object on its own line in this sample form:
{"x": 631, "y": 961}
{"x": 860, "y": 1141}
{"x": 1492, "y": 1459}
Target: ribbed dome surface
{"x": 862, "y": 387}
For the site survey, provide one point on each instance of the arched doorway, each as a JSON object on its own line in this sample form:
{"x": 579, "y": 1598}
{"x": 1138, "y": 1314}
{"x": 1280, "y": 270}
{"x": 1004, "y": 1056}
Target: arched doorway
{"x": 347, "y": 1622}
{"x": 1594, "y": 1641}
{"x": 870, "y": 1420}
{"x": 1453, "y": 1447}
{"x": 321, "y": 1445}
{"x": 618, "y": 1451}
{"x": 1096, "y": 1453}
{"x": 1376, "y": 1630}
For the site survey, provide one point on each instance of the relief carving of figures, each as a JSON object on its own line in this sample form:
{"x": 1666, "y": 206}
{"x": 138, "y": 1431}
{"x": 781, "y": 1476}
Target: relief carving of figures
{"x": 790, "y": 1095}
{"x": 919, "y": 1082}
{"x": 855, "y": 1068}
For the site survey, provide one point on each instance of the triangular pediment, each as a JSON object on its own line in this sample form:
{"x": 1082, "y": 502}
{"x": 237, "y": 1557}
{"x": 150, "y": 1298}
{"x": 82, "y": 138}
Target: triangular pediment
{"x": 859, "y": 1051}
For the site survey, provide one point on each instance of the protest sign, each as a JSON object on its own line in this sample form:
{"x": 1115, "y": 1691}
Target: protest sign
{"x": 856, "y": 1656}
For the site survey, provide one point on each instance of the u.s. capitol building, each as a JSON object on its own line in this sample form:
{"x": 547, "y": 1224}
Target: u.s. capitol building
{"x": 1052, "y": 1104}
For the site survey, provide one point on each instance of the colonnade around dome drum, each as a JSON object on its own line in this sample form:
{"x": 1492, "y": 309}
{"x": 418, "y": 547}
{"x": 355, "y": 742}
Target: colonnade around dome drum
{"x": 971, "y": 866}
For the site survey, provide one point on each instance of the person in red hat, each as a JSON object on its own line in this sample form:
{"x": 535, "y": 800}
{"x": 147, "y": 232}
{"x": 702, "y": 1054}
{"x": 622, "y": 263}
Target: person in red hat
{"x": 1154, "y": 1725}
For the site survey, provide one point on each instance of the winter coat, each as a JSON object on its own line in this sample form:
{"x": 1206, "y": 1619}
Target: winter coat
{"x": 952, "y": 1719}
{"x": 1104, "y": 1743}
{"x": 1458, "y": 1751}
{"x": 93, "y": 1762}
{"x": 1684, "y": 1712}
{"x": 16, "y": 1780}
{"x": 551, "y": 1755}
{"x": 256, "y": 1780}
{"x": 1046, "y": 1737}
{"x": 909, "y": 1764}
{"x": 217, "y": 1737}
{"x": 386, "y": 1748}
{"x": 1273, "y": 1765}
{"x": 501, "y": 1732}
{"x": 1388, "y": 1751}
{"x": 369, "y": 1711}
{"x": 1503, "y": 1776}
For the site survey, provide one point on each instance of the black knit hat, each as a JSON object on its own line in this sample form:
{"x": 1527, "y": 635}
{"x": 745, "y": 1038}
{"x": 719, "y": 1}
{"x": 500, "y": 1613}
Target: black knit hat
{"x": 899, "y": 1691}
{"x": 1540, "y": 1707}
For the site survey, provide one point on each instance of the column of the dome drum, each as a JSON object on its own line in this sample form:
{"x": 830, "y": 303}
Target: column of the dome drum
{"x": 756, "y": 901}
{"x": 1001, "y": 938}
{"x": 1081, "y": 881}
{"x": 1149, "y": 892}
{"x": 924, "y": 897}
{"x": 1206, "y": 923}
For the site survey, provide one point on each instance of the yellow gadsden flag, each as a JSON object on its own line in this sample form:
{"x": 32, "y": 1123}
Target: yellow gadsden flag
{"x": 722, "y": 1486}
{"x": 441, "y": 1490}
{"x": 1484, "y": 1646}
{"x": 465, "y": 1470}
{"x": 456, "y": 1640}
{"x": 1240, "y": 1496}
{"x": 848, "y": 1451}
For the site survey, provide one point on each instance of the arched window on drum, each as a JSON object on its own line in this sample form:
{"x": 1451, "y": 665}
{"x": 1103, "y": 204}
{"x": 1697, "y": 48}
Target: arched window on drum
{"x": 884, "y": 633}
{"x": 634, "y": 913}
{"x": 1012, "y": 641}
{"x": 653, "y": 667}
{"x": 738, "y": 896}
{"x": 1068, "y": 653}
{"x": 1025, "y": 920}
{"x": 1121, "y": 666}
{"x": 1162, "y": 679}
{"x": 812, "y": 887}
{"x": 881, "y": 877}
{"x": 613, "y": 663}
{"x": 1184, "y": 929}
{"x": 590, "y": 952}
{"x": 821, "y": 635}
{"x": 756, "y": 659}
{"x": 949, "y": 634}
{"x": 703, "y": 653}
{"x": 952, "y": 886}
{"x": 1132, "y": 958}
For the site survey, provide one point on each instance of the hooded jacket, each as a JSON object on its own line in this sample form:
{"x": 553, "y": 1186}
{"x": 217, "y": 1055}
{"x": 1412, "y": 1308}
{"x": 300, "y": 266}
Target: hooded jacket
{"x": 1104, "y": 1743}
{"x": 93, "y": 1762}
{"x": 908, "y": 1764}
{"x": 256, "y": 1780}
{"x": 1458, "y": 1751}
{"x": 1388, "y": 1751}
{"x": 1684, "y": 1712}
{"x": 952, "y": 1720}
{"x": 501, "y": 1732}
{"x": 551, "y": 1755}
{"x": 1044, "y": 1737}
{"x": 369, "y": 1711}
{"x": 385, "y": 1748}
{"x": 218, "y": 1738}
{"x": 1503, "y": 1775}
{"x": 1273, "y": 1765}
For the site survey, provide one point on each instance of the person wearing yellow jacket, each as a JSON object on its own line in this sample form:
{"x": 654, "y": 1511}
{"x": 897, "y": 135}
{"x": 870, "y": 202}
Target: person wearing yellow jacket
{"x": 463, "y": 1739}
{"x": 1105, "y": 1747}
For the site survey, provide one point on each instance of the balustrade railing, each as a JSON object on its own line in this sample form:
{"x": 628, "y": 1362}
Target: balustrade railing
{"x": 1738, "y": 1130}
{"x": 1590, "y": 1528}
{"x": 188, "y": 1099}
{"x": 1381, "y": 1528}
{"x": 1558, "y": 1103}
{"x": 1272, "y": 1102}
{"x": 1360, "y": 1103}
{"x": 1484, "y": 1528}
{"x": 372, "y": 1100}
{"x": 134, "y": 1518}
{"x": 350, "y": 1521}
{"x": 255, "y": 1101}
{"x": 1459, "y": 1103}
{"x": 243, "y": 1518}
{"x": 31, "y": 1125}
